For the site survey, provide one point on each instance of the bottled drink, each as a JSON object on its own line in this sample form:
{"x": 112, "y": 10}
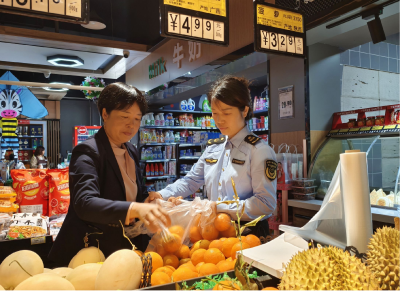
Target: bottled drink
{"x": 156, "y": 170}
{"x": 152, "y": 170}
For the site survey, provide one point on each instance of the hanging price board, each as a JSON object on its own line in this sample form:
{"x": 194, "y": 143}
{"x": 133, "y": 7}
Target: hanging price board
{"x": 75, "y": 11}
{"x": 196, "y": 20}
{"x": 278, "y": 31}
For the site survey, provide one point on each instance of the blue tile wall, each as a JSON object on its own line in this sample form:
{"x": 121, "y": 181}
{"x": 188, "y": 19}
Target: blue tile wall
{"x": 381, "y": 56}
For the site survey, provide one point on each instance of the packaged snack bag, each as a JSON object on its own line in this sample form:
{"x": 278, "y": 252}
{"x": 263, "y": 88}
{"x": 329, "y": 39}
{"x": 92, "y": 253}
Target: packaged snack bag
{"x": 59, "y": 191}
{"x": 32, "y": 190}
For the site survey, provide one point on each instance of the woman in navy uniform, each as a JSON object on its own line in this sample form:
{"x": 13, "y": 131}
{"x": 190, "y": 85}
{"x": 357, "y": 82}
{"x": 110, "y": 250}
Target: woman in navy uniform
{"x": 105, "y": 181}
{"x": 240, "y": 155}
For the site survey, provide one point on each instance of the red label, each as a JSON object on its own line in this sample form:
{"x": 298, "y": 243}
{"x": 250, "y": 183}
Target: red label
{"x": 23, "y": 121}
{"x": 82, "y": 130}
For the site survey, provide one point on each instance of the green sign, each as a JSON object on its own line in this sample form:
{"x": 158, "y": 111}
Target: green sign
{"x": 157, "y": 68}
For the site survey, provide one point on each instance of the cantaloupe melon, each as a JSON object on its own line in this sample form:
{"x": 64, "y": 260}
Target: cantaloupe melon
{"x": 121, "y": 271}
{"x": 87, "y": 256}
{"x": 45, "y": 281}
{"x": 47, "y": 270}
{"x": 62, "y": 272}
{"x": 84, "y": 276}
{"x": 1, "y": 287}
{"x": 11, "y": 273}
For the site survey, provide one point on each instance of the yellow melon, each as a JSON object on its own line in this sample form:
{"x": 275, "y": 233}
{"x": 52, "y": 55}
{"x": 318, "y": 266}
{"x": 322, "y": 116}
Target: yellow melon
{"x": 87, "y": 256}
{"x": 84, "y": 276}
{"x": 45, "y": 281}
{"x": 62, "y": 272}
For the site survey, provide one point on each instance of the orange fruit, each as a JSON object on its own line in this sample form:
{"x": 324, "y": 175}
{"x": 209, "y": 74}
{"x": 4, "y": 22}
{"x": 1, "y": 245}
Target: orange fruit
{"x": 183, "y": 252}
{"x": 216, "y": 244}
{"x": 230, "y": 232}
{"x": 222, "y": 222}
{"x": 157, "y": 239}
{"x": 184, "y": 261}
{"x": 213, "y": 256}
{"x": 226, "y": 285}
{"x": 195, "y": 234}
{"x": 208, "y": 269}
{"x": 209, "y": 232}
{"x": 171, "y": 268}
{"x": 160, "y": 250}
{"x": 198, "y": 266}
{"x": 171, "y": 260}
{"x": 229, "y": 259}
{"x": 252, "y": 240}
{"x": 189, "y": 266}
{"x": 237, "y": 248}
{"x": 173, "y": 244}
{"x": 198, "y": 256}
{"x": 177, "y": 229}
{"x": 225, "y": 266}
{"x": 227, "y": 246}
{"x": 183, "y": 274}
{"x": 160, "y": 278}
{"x": 165, "y": 270}
{"x": 157, "y": 261}
{"x": 201, "y": 244}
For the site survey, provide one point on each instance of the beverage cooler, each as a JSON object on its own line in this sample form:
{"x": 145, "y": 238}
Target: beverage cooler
{"x": 82, "y": 133}
{"x": 31, "y": 134}
{"x": 371, "y": 130}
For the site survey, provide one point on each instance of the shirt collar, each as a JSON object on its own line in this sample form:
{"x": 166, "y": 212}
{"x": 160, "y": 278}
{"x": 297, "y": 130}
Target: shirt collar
{"x": 239, "y": 137}
{"x": 117, "y": 150}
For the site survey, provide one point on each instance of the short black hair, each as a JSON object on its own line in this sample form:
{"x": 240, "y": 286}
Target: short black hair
{"x": 119, "y": 96}
{"x": 39, "y": 150}
{"x": 232, "y": 91}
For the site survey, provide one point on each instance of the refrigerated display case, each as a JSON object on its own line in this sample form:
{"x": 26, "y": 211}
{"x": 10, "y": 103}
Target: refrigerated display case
{"x": 31, "y": 134}
{"x": 82, "y": 133}
{"x": 380, "y": 141}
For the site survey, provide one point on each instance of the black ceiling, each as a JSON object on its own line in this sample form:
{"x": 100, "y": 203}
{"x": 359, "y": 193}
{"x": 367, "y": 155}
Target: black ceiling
{"x": 311, "y": 8}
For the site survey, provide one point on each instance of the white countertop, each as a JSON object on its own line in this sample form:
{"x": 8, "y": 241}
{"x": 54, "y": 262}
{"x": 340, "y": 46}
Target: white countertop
{"x": 378, "y": 214}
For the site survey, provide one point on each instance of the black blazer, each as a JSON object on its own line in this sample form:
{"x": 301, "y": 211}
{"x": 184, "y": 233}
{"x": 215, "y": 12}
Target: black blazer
{"x": 98, "y": 201}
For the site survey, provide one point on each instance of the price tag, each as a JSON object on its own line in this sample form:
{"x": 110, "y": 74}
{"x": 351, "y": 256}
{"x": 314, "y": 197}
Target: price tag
{"x": 299, "y": 45}
{"x": 208, "y": 29}
{"x": 334, "y": 131}
{"x": 291, "y": 47}
{"x": 6, "y": 3}
{"x": 286, "y": 103}
{"x": 74, "y": 8}
{"x": 354, "y": 129}
{"x": 282, "y": 42}
{"x": 365, "y": 129}
{"x": 274, "y": 42}
{"x": 173, "y": 22}
{"x": 25, "y": 4}
{"x": 197, "y": 27}
{"x": 40, "y": 5}
{"x": 264, "y": 39}
{"x": 219, "y": 31}
{"x": 377, "y": 128}
{"x": 38, "y": 240}
{"x": 392, "y": 126}
{"x": 344, "y": 130}
{"x": 186, "y": 24}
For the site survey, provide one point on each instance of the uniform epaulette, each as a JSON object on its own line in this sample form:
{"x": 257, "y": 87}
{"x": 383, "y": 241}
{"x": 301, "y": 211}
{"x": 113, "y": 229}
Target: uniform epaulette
{"x": 252, "y": 139}
{"x": 216, "y": 141}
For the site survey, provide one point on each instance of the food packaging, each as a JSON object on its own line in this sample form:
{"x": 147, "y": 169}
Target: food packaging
{"x": 351, "y": 123}
{"x": 380, "y": 120}
{"x": 304, "y": 190}
{"x": 59, "y": 199}
{"x": 370, "y": 121}
{"x": 301, "y": 196}
{"x": 27, "y": 225}
{"x": 303, "y": 182}
{"x": 361, "y": 122}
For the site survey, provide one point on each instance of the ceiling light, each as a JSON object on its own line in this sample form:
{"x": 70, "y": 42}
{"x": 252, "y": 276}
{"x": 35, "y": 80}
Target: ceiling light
{"x": 57, "y": 89}
{"x": 65, "y": 61}
{"x": 95, "y": 23}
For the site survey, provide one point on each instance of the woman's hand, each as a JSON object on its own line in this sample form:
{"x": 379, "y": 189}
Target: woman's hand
{"x": 151, "y": 215}
{"x": 175, "y": 200}
{"x": 153, "y": 196}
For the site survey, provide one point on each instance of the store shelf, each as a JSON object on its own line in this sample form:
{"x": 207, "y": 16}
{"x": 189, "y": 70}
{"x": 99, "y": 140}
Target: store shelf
{"x": 182, "y": 145}
{"x": 177, "y": 111}
{"x": 158, "y": 144}
{"x": 184, "y": 172}
{"x": 172, "y": 127}
{"x": 158, "y": 161}
{"x": 27, "y": 149}
{"x": 260, "y": 129}
{"x": 189, "y": 158}
{"x": 27, "y": 136}
{"x": 159, "y": 177}
{"x": 261, "y": 111}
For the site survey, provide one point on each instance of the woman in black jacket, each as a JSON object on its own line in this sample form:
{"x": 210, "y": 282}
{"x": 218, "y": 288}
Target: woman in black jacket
{"x": 106, "y": 184}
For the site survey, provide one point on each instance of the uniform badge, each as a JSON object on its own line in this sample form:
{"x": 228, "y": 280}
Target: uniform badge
{"x": 252, "y": 139}
{"x": 270, "y": 169}
{"x": 215, "y": 141}
{"x": 238, "y": 162}
{"x": 211, "y": 161}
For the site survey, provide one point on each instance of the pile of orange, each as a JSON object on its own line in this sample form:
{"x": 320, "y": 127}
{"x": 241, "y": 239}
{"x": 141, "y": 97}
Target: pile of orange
{"x": 213, "y": 251}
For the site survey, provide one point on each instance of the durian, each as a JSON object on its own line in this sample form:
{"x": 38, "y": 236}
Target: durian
{"x": 375, "y": 195}
{"x": 384, "y": 201}
{"x": 383, "y": 257}
{"x": 391, "y": 198}
{"x": 327, "y": 268}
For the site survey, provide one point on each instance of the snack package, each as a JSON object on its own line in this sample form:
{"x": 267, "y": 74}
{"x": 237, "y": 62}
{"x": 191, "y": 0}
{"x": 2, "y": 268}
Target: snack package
{"x": 7, "y": 199}
{"x": 32, "y": 190}
{"x": 59, "y": 191}
{"x": 27, "y": 225}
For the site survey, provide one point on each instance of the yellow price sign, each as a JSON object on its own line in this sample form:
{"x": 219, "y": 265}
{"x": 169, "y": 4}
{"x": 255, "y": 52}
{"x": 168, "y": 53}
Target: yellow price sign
{"x": 365, "y": 128}
{"x": 354, "y": 129}
{"x": 279, "y": 18}
{"x": 392, "y": 126}
{"x": 344, "y": 130}
{"x": 216, "y": 7}
{"x": 377, "y": 128}
{"x": 334, "y": 131}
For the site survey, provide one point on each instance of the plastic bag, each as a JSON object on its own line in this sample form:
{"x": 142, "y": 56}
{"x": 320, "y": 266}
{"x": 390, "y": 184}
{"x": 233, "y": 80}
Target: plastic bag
{"x": 284, "y": 164}
{"x": 328, "y": 225}
{"x": 296, "y": 168}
